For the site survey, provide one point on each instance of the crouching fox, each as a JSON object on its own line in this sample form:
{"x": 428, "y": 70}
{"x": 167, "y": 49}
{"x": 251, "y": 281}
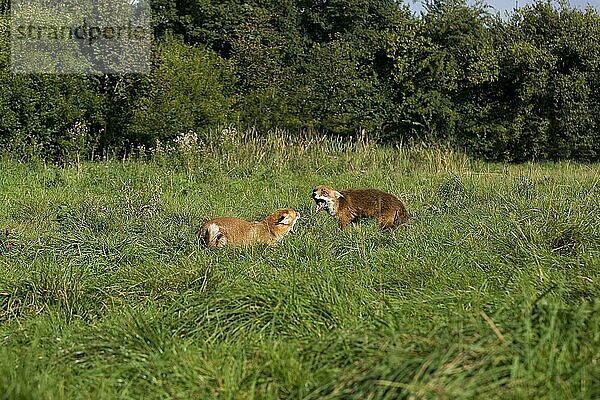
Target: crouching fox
{"x": 230, "y": 231}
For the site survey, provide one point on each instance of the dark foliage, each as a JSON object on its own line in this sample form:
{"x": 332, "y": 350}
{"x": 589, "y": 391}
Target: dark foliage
{"x": 526, "y": 87}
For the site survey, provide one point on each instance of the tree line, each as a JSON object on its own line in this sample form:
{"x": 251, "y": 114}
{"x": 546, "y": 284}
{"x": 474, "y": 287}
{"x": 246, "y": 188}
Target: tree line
{"x": 524, "y": 86}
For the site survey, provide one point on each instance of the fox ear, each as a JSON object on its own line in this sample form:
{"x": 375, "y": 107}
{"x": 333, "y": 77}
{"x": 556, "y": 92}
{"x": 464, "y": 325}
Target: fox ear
{"x": 284, "y": 219}
{"x": 337, "y": 194}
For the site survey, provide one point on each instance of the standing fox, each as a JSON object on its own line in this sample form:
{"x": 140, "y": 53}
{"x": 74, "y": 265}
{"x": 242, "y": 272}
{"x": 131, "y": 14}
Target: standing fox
{"x": 348, "y": 206}
{"x": 219, "y": 232}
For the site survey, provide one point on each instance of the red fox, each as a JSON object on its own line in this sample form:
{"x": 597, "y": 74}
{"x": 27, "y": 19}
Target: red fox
{"x": 230, "y": 231}
{"x": 348, "y": 206}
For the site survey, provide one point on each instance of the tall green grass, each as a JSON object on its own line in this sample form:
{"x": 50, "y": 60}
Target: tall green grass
{"x": 491, "y": 292}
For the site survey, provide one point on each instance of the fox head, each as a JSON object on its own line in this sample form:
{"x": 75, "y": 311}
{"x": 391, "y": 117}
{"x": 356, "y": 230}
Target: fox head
{"x": 282, "y": 221}
{"x": 327, "y": 198}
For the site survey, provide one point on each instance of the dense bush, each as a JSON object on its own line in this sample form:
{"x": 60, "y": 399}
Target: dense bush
{"x": 185, "y": 92}
{"x": 526, "y": 87}
{"x": 548, "y": 81}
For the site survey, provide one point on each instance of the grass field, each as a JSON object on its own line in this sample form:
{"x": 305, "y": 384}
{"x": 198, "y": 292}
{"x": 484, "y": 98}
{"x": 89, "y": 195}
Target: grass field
{"x": 492, "y": 292}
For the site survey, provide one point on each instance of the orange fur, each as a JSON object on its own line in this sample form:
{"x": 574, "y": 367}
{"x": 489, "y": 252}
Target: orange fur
{"x": 349, "y": 206}
{"x": 219, "y": 232}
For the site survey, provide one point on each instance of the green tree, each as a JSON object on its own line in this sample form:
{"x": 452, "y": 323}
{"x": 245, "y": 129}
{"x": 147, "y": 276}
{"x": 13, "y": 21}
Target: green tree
{"x": 548, "y": 78}
{"x": 186, "y": 92}
{"x": 51, "y": 116}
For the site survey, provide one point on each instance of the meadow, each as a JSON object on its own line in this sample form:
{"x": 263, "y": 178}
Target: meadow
{"x": 491, "y": 292}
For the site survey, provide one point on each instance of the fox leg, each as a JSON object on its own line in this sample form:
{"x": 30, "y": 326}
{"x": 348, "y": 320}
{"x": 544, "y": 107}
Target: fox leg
{"x": 221, "y": 240}
{"x": 343, "y": 222}
{"x": 387, "y": 221}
